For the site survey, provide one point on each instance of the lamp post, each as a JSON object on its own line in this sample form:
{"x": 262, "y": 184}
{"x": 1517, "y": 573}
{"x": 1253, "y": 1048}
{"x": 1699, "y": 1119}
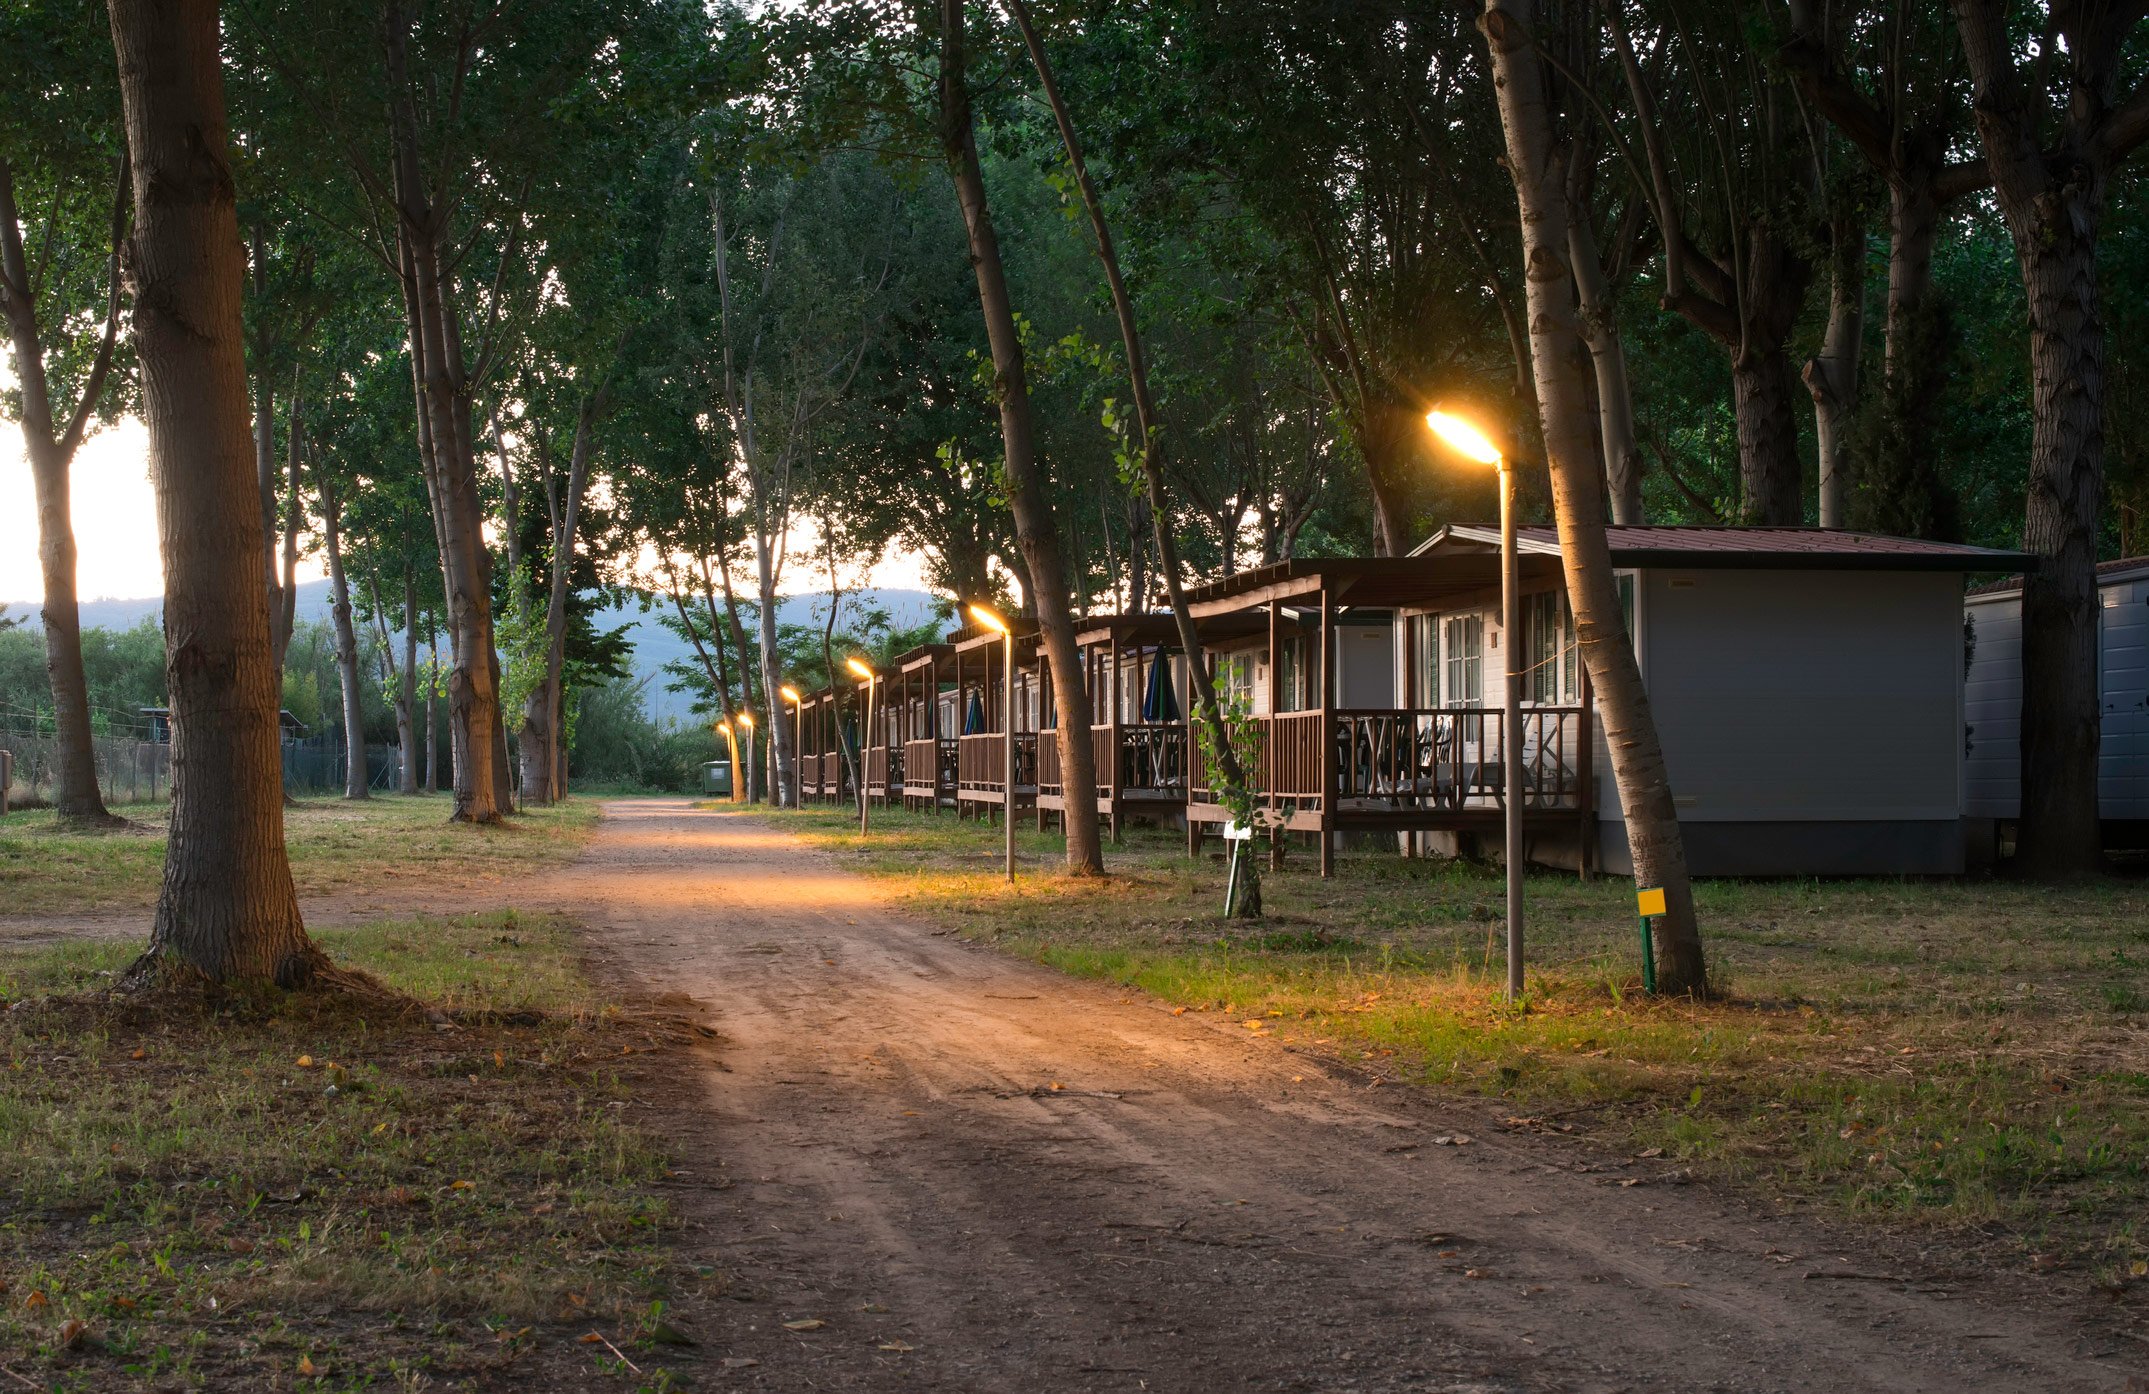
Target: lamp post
{"x": 1007, "y": 728}
{"x": 746, "y": 720}
{"x": 731, "y": 741}
{"x": 1469, "y": 442}
{"x": 798, "y": 742}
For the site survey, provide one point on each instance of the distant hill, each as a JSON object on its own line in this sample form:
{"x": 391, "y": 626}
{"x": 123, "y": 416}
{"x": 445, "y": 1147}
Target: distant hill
{"x": 654, "y": 645}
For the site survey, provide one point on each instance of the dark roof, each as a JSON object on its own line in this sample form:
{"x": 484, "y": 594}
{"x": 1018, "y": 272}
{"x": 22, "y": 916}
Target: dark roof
{"x": 2109, "y": 573}
{"x": 1377, "y": 583}
{"x": 1826, "y": 549}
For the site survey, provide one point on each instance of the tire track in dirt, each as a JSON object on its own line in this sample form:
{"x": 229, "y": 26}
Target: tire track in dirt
{"x": 881, "y": 1148}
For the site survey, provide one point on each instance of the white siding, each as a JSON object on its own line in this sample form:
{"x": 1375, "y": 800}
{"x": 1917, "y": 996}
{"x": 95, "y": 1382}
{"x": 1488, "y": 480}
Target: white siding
{"x": 1994, "y": 703}
{"x": 1807, "y": 695}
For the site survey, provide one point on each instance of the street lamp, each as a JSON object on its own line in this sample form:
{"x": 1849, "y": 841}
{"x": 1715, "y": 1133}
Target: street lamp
{"x": 865, "y": 739}
{"x": 798, "y": 743}
{"x": 992, "y": 621}
{"x": 1466, "y": 440}
{"x": 746, "y": 721}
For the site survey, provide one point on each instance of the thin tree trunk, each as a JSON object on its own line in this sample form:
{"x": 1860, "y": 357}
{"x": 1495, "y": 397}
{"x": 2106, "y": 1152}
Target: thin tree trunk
{"x": 407, "y": 690}
{"x": 283, "y": 598}
{"x": 1158, "y": 505}
{"x": 1557, "y": 352}
{"x": 432, "y": 717}
{"x": 542, "y": 710}
{"x": 1036, "y": 531}
{"x": 355, "y": 783}
{"x": 227, "y": 910}
{"x": 51, "y": 451}
{"x": 1608, "y": 359}
{"x": 1832, "y": 375}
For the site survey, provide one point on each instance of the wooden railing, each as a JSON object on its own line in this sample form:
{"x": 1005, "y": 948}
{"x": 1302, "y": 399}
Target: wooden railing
{"x": 1426, "y": 757}
{"x": 832, "y": 775}
{"x": 981, "y": 762}
{"x": 884, "y": 767}
{"x": 1152, "y": 756}
{"x": 920, "y": 759}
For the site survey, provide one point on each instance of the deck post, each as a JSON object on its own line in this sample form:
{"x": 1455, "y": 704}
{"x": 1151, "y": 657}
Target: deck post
{"x": 1111, "y": 699}
{"x": 1326, "y": 736}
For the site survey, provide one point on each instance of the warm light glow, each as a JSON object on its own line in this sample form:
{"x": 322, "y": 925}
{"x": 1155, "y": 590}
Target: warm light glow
{"x": 790, "y": 693}
{"x": 864, "y": 673}
{"x": 989, "y": 620}
{"x": 1461, "y": 437}
{"x": 746, "y": 719}
{"x": 724, "y": 726}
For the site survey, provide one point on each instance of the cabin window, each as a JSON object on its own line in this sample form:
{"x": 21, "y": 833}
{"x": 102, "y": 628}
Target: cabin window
{"x": 1235, "y": 676}
{"x": 1549, "y": 651}
{"x": 1463, "y": 643}
{"x": 1425, "y": 642}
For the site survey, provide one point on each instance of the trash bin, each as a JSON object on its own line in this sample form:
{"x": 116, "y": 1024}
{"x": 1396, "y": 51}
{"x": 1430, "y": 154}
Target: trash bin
{"x": 716, "y": 779}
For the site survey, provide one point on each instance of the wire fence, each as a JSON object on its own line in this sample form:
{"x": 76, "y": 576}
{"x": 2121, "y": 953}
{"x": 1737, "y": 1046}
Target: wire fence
{"x": 134, "y": 765}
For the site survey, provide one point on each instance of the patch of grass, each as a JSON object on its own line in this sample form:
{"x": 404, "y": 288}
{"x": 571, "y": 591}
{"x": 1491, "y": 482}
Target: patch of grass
{"x": 1947, "y": 1052}
{"x": 387, "y": 843}
{"x": 321, "y": 1192}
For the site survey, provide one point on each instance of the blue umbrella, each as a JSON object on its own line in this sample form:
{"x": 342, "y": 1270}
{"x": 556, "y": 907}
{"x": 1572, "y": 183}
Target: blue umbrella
{"x": 1160, "y": 703}
{"x": 974, "y": 718}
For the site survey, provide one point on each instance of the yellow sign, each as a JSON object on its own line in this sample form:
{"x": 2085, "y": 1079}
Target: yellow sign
{"x": 1651, "y": 899}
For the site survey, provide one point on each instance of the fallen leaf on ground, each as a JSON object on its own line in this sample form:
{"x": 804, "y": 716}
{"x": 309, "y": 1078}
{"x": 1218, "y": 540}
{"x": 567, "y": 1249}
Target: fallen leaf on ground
{"x": 805, "y": 1324}
{"x": 1452, "y": 1140}
{"x": 139, "y": 1054}
{"x": 304, "y": 1062}
{"x": 73, "y": 1333}
{"x": 897, "y": 1346}
{"x": 306, "y": 1365}
{"x": 666, "y": 1334}
{"x": 1650, "y": 1152}
{"x": 464, "y": 1186}
{"x": 590, "y": 1340}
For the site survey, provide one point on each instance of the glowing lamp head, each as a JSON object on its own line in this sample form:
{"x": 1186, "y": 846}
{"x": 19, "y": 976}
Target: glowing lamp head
{"x": 790, "y": 693}
{"x": 1460, "y": 436}
{"x": 724, "y": 726}
{"x": 859, "y": 670}
{"x": 746, "y": 719}
{"x": 990, "y": 620}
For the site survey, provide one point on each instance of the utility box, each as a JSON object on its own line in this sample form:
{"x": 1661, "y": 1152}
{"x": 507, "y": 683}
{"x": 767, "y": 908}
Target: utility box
{"x": 716, "y": 781}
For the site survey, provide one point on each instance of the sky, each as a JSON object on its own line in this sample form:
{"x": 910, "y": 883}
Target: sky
{"x": 116, "y": 526}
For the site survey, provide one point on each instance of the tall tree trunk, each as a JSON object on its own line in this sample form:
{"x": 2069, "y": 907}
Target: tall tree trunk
{"x": 1557, "y": 353}
{"x": 1608, "y": 359}
{"x": 1158, "y": 505}
{"x": 2052, "y": 192}
{"x": 475, "y": 726}
{"x": 1832, "y": 375}
{"x": 227, "y": 910}
{"x": 1036, "y": 530}
{"x": 407, "y": 691}
{"x": 51, "y": 451}
{"x": 355, "y": 783}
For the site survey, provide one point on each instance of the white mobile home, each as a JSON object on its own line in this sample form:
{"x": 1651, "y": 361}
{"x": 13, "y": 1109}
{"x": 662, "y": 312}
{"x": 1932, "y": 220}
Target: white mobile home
{"x": 1807, "y": 686}
{"x": 1993, "y": 706}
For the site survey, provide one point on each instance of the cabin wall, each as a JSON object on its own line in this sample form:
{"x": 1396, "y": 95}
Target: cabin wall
{"x": 1811, "y": 721}
{"x": 1993, "y": 711}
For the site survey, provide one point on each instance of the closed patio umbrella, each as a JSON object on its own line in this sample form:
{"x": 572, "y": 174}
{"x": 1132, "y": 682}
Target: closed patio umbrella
{"x": 1160, "y": 703}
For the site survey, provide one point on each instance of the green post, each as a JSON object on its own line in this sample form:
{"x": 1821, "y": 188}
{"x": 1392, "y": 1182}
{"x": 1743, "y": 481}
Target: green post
{"x": 1649, "y": 959}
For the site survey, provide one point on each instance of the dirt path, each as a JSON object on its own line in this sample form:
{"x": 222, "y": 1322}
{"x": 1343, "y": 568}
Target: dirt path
{"x": 981, "y": 1175}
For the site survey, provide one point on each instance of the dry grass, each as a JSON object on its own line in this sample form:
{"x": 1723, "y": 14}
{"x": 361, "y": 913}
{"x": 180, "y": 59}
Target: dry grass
{"x": 1966, "y": 1054}
{"x": 319, "y": 1193}
{"x": 388, "y": 843}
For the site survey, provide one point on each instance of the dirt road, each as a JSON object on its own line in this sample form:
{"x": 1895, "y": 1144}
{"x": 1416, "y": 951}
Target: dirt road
{"x": 980, "y": 1175}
